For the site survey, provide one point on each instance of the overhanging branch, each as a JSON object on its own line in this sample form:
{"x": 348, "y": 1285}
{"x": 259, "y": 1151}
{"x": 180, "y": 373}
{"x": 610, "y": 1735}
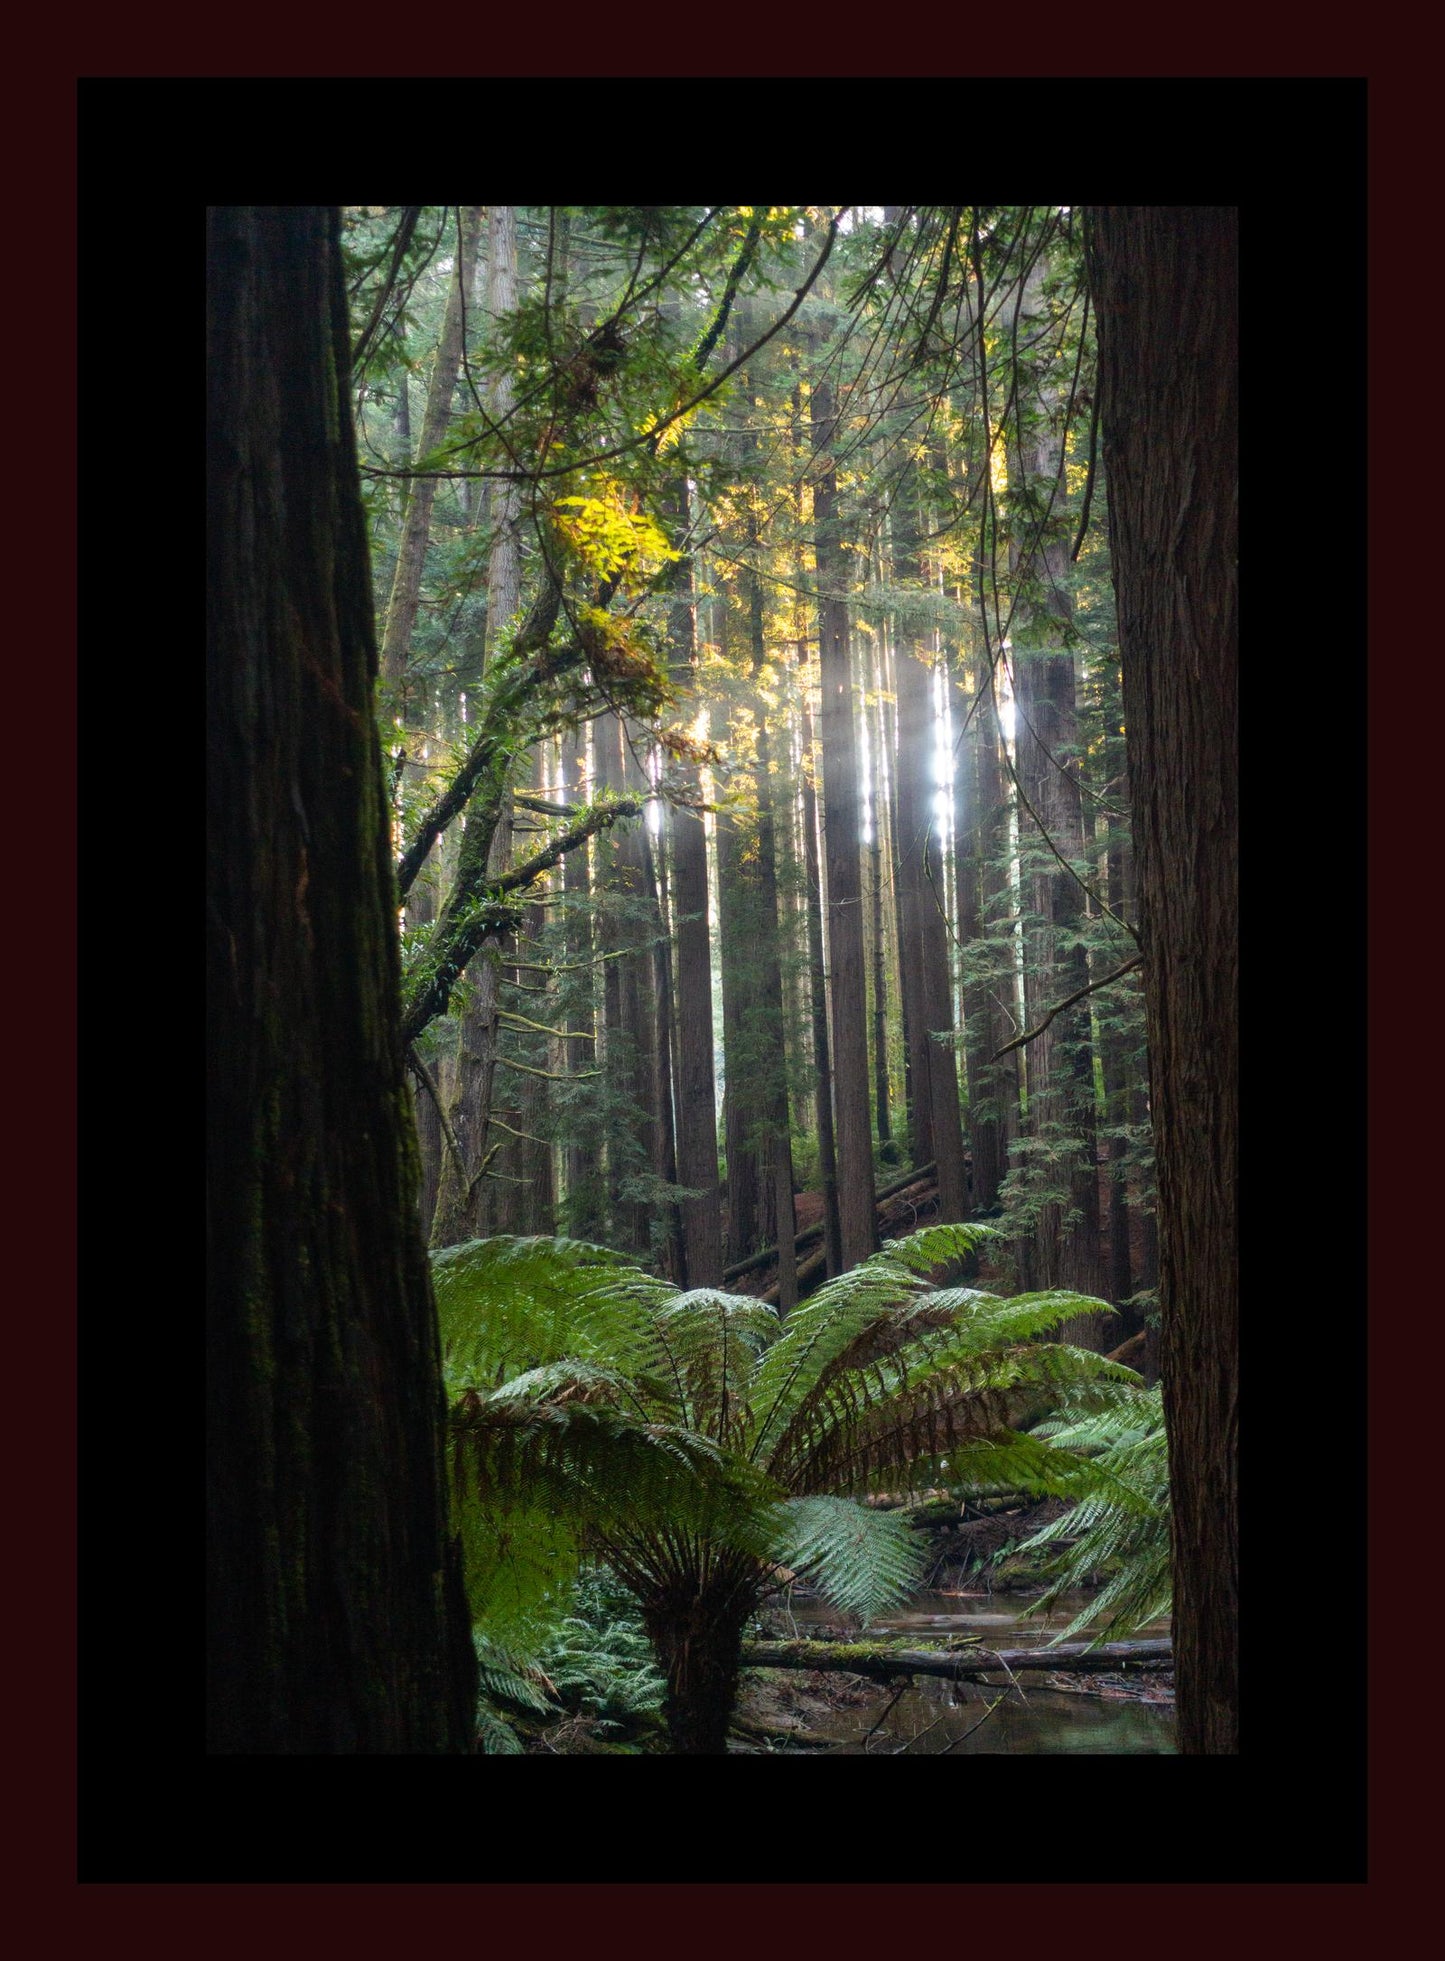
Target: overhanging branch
{"x": 492, "y": 907}
{"x": 1032, "y": 1034}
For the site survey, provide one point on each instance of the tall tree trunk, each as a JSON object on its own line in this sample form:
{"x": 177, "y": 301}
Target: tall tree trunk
{"x": 336, "y": 1622}
{"x": 817, "y": 979}
{"x": 411, "y": 550}
{"x": 858, "y": 1219}
{"x": 773, "y": 1083}
{"x": 1165, "y": 283}
{"x": 665, "y": 1050}
{"x": 878, "y": 948}
{"x": 577, "y": 1009}
{"x": 697, "y": 1166}
{"x": 1059, "y": 1063}
{"x": 628, "y": 1016}
{"x": 985, "y": 897}
{"x": 476, "y": 1196}
{"x": 738, "y": 920}
{"x": 934, "y": 1073}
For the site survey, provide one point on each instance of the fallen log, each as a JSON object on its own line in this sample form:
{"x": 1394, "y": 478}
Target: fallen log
{"x": 813, "y": 1269}
{"x": 770, "y": 1253}
{"x": 810, "y": 1233}
{"x": 914, "y": 1177}
{"x": 970, "y": 1664}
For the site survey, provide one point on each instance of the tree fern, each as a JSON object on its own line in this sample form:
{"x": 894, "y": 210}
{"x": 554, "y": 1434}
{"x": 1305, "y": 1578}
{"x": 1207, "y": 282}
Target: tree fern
{"x": 696, "y": 1443}
{"x": 1124, "y": 1520}
{"x": 506, "y": 1679}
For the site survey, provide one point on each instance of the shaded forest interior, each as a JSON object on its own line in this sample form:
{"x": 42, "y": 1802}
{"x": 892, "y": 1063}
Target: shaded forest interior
{"x": 751, "y": 690}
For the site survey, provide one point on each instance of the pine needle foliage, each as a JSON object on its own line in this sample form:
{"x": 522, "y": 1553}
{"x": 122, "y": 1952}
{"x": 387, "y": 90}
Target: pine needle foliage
{"x": 705, "y": 1449}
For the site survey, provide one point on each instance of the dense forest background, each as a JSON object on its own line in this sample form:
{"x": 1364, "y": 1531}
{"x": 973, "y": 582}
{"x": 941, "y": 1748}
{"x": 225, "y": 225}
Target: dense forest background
{"x": 815, "y": 834}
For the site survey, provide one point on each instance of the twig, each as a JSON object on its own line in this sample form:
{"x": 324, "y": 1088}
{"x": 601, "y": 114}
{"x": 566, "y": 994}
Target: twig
{"x": 547, "y": 1075}
{"x": 974, "y": 1726}
{"x": 903, "y": 1686}
{"x": 1030, "y": 1034}
{"x": 424, "y": 1075}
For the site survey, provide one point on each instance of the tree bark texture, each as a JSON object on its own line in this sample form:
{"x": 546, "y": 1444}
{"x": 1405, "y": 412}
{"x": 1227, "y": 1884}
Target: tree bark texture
{"x": 336, "y": 1621}
{"x": 849, "y": 1026}
{"x": 697, "y": 1165}
{"x": 773, "y": 1082}
{"x": 982, "y": 894}
{"x": 1165, "y": 284}
{"x": 484, "y": 1194}
{"x": 882, "y": 1121}
{"x": 696, "y": 1631}
{"x": 818, "y": 997}
{"x": 1063, "y": 1248}
{"x": 924, "y": 952}
{"x": 586, "y": 1193}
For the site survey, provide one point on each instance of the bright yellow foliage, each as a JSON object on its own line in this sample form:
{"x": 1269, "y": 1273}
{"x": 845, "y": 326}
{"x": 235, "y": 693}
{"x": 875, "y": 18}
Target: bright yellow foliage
{"x": 610, "y": 539}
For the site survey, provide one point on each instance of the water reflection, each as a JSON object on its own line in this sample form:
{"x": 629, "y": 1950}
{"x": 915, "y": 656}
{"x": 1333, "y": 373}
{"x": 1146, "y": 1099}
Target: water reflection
{"x": 1021, "y": 1717}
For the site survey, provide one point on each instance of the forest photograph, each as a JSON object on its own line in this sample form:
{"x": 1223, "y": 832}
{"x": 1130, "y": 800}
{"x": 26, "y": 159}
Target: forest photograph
{"x": 722, "y": 917}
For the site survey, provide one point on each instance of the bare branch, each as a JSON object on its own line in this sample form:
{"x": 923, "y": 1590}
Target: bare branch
{"x": 424, "y": 1075}
{"x": 1031, "y": 1034}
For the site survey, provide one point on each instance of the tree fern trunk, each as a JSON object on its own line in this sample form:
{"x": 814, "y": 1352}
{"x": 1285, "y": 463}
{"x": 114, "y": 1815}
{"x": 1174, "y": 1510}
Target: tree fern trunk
{"x": 696, "y": 1635}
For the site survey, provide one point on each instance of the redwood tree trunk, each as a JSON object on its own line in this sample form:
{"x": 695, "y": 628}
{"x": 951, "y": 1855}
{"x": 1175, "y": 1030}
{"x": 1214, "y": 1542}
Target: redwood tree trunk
{"x": 411, "y": 549}
{"x": 857, "y": 1215}
{"x": 1165, "y": 282}
{"x": 336, "y": 1621}
{"x": 697, "y": 1165}
{"x": 984, "y": 896}
{"x": 924, "y": 950}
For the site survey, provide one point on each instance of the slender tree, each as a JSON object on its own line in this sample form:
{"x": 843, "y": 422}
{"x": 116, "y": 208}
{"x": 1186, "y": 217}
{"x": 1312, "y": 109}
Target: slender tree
{"x": 847, "y": 993}
{"x": 416, "y": 523}
{"x": 924, "y": 938}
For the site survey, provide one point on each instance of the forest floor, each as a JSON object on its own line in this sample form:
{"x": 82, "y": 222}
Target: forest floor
{"x": 782, "y": 1710}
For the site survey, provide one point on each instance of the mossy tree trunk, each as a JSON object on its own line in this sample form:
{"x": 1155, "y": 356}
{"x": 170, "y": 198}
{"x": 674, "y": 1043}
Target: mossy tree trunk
{"x": 1165, "y": 282}
{"x": 335, "y": 1615}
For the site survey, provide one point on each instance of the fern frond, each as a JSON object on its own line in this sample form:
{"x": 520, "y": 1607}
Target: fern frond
{"x": 506, "y": 1675}
{"x": 845, "y": 1318}
{"x": 1125, "y": 1520}
{"x": 863, "y": 1561}
{"x": 709, "y": 1344}
{"x": 935, "y": 1246}
{"x": 509, "y": 1304}
{"x": 496, "y": 1737}
{"x": 923, "y": 1376}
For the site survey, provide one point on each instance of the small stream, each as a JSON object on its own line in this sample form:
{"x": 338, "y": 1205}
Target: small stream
{"x": 969, "y": 1719}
